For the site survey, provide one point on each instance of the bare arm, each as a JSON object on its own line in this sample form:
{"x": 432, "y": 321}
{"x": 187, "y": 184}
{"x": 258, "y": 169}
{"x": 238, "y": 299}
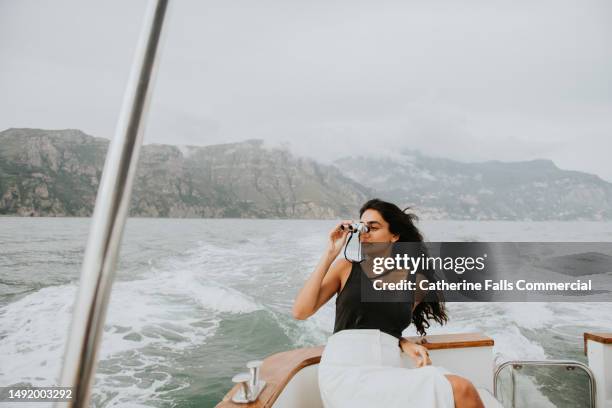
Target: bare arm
{"x": 325, "y": 279}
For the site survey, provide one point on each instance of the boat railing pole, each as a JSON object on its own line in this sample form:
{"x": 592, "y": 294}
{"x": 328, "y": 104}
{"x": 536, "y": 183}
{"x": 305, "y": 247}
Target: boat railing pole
{"x": 110, "y": 213}
{"x": 568, "y": 365}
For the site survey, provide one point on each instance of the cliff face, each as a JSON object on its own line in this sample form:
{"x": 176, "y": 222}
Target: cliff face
{"x": 56, "y": 173}
{"x": 443, "y": 188}
{"x": 49, "y": 172}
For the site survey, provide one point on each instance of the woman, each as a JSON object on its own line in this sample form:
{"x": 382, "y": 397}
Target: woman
{"x": 361, "y": 365}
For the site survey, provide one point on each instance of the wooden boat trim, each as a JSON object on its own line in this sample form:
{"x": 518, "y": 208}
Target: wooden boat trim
{"x": 453, "y": 341}
{"x": 278, "y": 369}
{"x": 604, "y": 338}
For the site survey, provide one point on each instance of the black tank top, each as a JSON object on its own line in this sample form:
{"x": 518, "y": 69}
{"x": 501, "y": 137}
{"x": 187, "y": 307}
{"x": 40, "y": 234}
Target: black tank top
{"x": 352, "y": 313}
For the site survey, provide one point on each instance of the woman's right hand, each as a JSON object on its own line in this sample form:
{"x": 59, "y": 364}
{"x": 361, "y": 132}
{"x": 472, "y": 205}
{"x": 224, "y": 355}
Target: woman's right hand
{"x": 338, "y": 238}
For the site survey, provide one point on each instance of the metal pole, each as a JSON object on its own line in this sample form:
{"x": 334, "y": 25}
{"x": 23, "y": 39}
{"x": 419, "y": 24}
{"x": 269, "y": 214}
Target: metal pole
{"x": 568, "y": 364}
{"x": 110, "y": 213}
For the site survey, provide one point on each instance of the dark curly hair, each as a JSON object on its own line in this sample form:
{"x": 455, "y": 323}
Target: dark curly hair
{"x": 401, "y": 223}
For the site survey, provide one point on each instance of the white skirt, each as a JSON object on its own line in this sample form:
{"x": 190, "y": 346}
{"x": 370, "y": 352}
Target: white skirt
{"x": 364, "y": 368}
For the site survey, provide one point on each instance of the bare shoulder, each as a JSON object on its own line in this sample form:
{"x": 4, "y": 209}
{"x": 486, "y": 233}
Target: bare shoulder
{"x": 341, "y": 265}
{"x": 340, "y": 270}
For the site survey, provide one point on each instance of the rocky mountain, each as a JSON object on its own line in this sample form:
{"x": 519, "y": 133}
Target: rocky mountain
{"x": 446, "y": 189}
{"x": 56, "y": 173}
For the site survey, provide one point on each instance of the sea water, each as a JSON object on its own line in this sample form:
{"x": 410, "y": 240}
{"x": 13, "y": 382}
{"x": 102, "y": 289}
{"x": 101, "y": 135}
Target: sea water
{"x": 195, "y": 299}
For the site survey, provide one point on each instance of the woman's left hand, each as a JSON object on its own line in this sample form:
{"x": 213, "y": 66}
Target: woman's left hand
{"x": 418, "y": 353}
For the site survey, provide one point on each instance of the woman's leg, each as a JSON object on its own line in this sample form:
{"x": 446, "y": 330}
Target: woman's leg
{"x": 464, "y": 392}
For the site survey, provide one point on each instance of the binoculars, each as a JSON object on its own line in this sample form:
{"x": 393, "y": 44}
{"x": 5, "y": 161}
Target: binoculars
{"x": 355, "y": 227}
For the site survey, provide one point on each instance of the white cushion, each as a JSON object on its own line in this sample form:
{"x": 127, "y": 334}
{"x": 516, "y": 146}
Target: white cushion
{"x": 488, "y": 399}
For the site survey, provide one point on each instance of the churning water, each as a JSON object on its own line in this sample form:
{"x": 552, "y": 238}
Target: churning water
{"x": 195, "y": 299}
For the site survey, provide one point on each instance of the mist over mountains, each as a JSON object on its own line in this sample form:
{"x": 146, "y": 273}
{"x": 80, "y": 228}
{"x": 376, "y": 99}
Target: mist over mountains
{"x": 57, "y": 172}
{"x": 446, "y": 189}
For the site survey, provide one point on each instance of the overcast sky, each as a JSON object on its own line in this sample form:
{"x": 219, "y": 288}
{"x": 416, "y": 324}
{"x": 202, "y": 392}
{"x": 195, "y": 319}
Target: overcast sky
{"x": 468, "y": 80}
